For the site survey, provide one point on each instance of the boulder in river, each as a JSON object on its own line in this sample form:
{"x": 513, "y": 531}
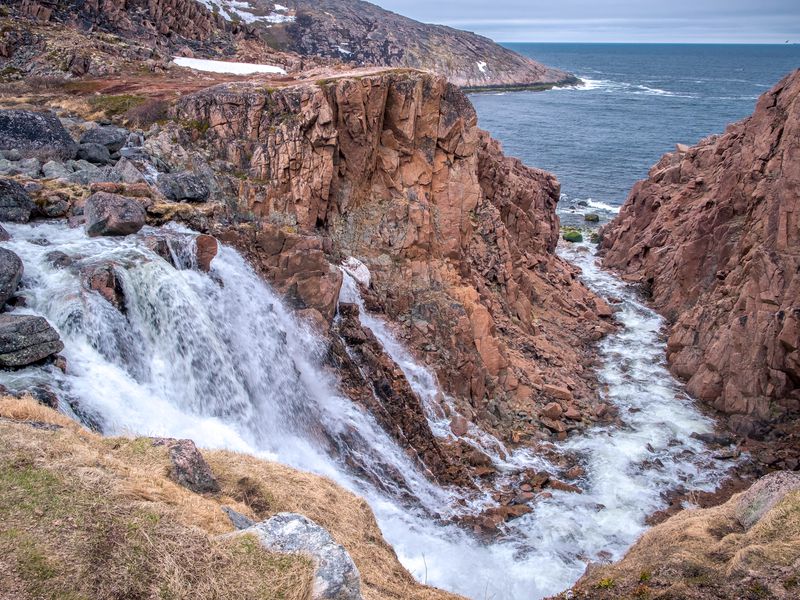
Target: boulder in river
{"x": 15, "y": 203}
{"x": 10, "y": 274}
{"x": 35, "y": 134}
{"x": 26, "y": 339}
{"x": 112, "y": 214}
{"x": 336, "y": 576}
{"x": 183, "y": 186}
{"x": 206, "y": 249}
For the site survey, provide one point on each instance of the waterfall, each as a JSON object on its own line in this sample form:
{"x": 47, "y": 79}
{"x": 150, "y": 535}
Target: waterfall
{"x": 217, "y": 358}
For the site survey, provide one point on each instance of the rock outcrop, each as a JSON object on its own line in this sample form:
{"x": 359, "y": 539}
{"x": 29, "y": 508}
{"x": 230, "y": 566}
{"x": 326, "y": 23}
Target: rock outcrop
{"x": 391, "y": 169}
{"x": 361, "y": 33}
{"x": 713, "y": 236}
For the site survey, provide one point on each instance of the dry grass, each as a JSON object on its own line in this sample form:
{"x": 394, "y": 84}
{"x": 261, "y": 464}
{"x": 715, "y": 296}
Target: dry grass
{"x": 707, "y": 554}
{"x": 82, "y": 516}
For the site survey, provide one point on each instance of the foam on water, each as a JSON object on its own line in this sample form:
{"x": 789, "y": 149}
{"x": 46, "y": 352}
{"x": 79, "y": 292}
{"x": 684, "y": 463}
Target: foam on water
{"x": 217, "y": 358}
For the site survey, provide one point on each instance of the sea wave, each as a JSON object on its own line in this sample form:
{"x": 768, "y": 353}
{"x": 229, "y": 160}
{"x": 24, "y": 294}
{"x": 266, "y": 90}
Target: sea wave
{"x": 597, "y": 204}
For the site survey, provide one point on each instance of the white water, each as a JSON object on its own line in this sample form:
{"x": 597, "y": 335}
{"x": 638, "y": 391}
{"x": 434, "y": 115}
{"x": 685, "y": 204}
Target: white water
{"x": 217, "y": 358}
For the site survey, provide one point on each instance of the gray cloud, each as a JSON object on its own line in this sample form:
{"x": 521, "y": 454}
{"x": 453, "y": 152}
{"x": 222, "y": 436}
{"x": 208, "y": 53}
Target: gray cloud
{"x": 747, "y": 21}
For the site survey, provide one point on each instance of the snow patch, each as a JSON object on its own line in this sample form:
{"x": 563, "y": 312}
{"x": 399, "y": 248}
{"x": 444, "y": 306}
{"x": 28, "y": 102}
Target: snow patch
{"x": 220, "y": 66}
{"x": 357, "y": 270}
{"x": 243, "y": 11}
{"x": 280, "y": 8}
{"x": 343, "y": 50}
{"x": 481, "y": 66}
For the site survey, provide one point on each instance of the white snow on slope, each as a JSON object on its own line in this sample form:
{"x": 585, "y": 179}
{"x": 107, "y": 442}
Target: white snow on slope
{"x": 243, "y": 11}
{"x": 481, "y": 66}
{"x": 220, "y": 66}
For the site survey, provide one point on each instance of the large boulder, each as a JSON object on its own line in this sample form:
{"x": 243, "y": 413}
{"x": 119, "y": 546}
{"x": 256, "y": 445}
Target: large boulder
{"x": 336, "y": 576}
{"x": 15, "y": 203}
{"x": 26, "y": 339}
{"x": 35, "y": 134}
{"x": 111, "y": 137}
{"x": 189, "y": 468}
{"x": 94, "y": 153}
{"x": 112, "y": 214}
{"x": 10, "y": 274}
{"x": 183, "y": 186}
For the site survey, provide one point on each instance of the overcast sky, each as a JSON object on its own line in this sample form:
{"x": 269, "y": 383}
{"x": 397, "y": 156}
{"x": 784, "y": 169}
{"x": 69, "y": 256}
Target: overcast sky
{"x": 745, "y": 21}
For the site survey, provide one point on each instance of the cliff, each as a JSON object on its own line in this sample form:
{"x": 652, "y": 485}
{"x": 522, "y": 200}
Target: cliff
{"x": 713, "y": 236}
{"x": 392, "y": 169}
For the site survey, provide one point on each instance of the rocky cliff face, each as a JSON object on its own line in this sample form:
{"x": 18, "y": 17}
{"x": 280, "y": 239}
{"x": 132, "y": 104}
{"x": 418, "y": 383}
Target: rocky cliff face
{"x": 714, "y": 237}
{"x": 391, "y": 169}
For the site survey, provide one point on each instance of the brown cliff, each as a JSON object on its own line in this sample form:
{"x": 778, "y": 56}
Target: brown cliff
{"x": 391, "y": 169}
{"x": 714, "y": 236}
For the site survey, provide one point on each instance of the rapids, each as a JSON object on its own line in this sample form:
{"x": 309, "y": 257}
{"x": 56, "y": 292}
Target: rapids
{"x": 217, "y": 358}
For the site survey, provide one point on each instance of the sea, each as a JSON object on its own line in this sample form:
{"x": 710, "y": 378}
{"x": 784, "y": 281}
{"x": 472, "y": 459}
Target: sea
{"x": 635, "y": 103}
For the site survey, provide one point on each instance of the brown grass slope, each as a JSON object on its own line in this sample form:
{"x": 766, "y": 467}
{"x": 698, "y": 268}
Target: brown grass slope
{"x": 88, "y": 517}
{"x": 745, "y": 549}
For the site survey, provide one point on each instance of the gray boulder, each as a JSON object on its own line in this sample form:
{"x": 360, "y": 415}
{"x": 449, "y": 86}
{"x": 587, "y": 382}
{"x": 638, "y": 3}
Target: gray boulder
{"x": 26, "y": 339}
{"x": 15, "y": 203}
{"x": 94, "y": 153}
{"x": 54, "y": 169}
{"x": 125, "y": 171}
{"x": 112, "y": 214}
{"x": 113, "y": 138}
{"x": 335, "y": 576}
{"x": 35, "y": 134}
{"x": 10, "y": 274}
{"x": 183, "y": 186}
{"x": 12, "y": 154}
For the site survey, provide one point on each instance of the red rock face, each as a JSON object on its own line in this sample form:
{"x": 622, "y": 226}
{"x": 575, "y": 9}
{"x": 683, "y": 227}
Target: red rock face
{"x": 391, "y": 169}
{"x": 714, "y": 236}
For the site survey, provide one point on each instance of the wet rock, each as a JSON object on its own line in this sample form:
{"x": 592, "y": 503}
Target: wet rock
{"x": 94, "y": 153}
{"x": 103, "y": 280}
{"x": 335, "y": 575}
{"x": 15, "y": 203}
{"x": 58, "y": 259}
{"x": 112, "y": 138}
{"x": 26, "y": 339}
{"x": 189, "y": 468}
{"x": 459, "y": 426}
{"x": 111, "y": 214}
{"x": 11, "y": 270}
{"x": 188, "y": 187}
{"x": 564, "y": 487}
{"x": 44, "y": 395}
{"x": 4, "y": 235}
{"x": 206, "y": 248}
{"x": 591, "y": 217}
{"x": 35, "y": 134}
{"x": 552, "y": 411}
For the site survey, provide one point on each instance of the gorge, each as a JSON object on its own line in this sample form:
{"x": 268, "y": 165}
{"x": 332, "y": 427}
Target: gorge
{"x": 337, "y": 271}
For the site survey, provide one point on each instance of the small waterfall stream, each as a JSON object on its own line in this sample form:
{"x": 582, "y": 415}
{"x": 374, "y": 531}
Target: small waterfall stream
{"x": 217, "y": 358}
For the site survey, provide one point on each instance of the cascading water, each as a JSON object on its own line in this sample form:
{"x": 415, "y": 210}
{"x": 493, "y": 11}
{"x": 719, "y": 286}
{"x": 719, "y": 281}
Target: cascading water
{"x": 217, "y": 358}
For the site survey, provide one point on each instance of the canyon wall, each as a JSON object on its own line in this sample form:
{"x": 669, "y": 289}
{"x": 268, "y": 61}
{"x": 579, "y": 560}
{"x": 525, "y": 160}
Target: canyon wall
{"x": 459, "y": 239}
{"x": 713, "y": 236}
